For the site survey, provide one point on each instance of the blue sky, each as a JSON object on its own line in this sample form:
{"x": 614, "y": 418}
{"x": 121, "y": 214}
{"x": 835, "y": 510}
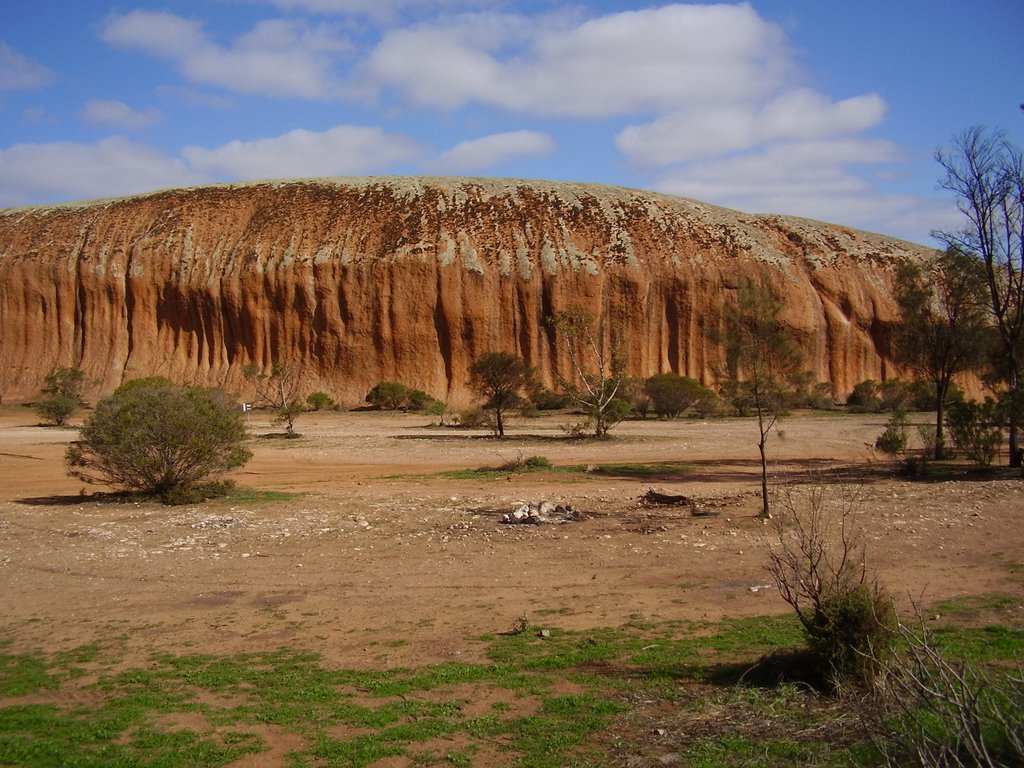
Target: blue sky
{"x": 821, "y": 109}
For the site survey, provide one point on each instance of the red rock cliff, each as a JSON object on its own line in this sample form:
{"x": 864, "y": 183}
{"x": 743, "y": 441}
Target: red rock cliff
{"x": 409, "y": 279}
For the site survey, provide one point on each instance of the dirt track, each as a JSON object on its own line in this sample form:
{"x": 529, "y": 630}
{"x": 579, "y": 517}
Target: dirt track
{"x": 379, "y": 548}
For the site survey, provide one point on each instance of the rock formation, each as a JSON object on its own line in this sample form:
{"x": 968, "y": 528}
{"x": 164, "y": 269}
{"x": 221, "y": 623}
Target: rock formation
{"x": 359, "y": 280}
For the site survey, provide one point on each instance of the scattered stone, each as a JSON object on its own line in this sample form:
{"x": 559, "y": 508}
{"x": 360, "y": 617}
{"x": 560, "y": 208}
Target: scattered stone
{"x": 541, "y": 513}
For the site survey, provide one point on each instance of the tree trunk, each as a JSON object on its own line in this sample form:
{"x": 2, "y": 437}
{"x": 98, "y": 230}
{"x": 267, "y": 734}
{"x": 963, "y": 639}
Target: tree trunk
{"x": 765, "y": 513}
{"x": 941, "y": 388}
{"x": 1016, "y": 459}
{"x": 500, "y": 423}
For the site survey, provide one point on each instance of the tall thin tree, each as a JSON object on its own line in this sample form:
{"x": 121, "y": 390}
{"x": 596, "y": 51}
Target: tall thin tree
{"x": 762, "y": 353}
{"x": 943, "y": 328}
{"x": 986, "y": 174}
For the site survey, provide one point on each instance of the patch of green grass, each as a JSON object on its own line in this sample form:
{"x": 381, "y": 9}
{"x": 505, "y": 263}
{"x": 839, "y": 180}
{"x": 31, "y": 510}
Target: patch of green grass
{"x": 972, "y": 605}
{"x": 980, "y": 645}
{"x": 738, "y": 751}
{"x": 666, "y": 470}
{"x": 554, "y": 693}
{"x": 25, "y": 673}
{"x": 640, "y": 470}
{"x": 241, "y": 495}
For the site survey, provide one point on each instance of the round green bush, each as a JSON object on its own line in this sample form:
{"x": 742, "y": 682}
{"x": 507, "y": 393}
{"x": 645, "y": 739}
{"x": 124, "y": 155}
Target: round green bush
{"x": 159, "y": 438}
{"x": 852, "y": 632}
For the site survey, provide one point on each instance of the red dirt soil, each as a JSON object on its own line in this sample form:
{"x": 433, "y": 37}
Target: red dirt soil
{"x": 378, "y": 547}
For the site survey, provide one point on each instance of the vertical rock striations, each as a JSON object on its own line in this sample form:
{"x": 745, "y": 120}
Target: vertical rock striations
{"x": 409, "y": 279}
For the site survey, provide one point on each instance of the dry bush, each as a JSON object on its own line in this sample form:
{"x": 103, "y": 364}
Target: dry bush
{"x": 817, "y": 559}
{"x": 930, "y": 711}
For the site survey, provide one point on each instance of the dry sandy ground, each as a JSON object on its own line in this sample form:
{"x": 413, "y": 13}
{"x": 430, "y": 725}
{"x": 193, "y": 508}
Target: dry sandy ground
{"x": 378, "y": 547}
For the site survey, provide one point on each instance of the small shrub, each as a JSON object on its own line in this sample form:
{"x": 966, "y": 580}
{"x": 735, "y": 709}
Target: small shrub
{"x": 577, "y": 430}
{"x": 852, "y": 633}
{"x": 864, "y": 397}
{"x": 475, "y": 418}
{"x": 62, "y": 395}
{"x": 672, "y": 394}
{"x": 519, "y": 464}
{"x": 320, "y": 401}
{"x": 806, "y": 392}
{"x": 549, "y": 400}
{"x": 819, "y": 398}
{"x": 893, "y": 441}
{"x": 928, "y": 435}
{"x": 56, "y": 409}
{"x": 922, "y": 395}
{"x": 198, "y": 493}
{"x": 616, "y": 410}
{"x": 395, "y": 396}
{"x": 160, "y": 439}
{"x": 976, "y": 429}
{"x": 537, "y": 462}
{"x": 417, "y": 399}
{"x": 740, "y": 395}
{"x": 895, "y": 394}
{"x": 817, "y": 559}
{"x": 388, "y": 395}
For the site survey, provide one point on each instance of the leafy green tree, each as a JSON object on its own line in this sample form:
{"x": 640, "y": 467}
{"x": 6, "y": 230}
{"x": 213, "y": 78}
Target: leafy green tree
{"x": 762, "y": 353}
{"x": 418, "y": 400}
{"x": 598, "y": 369}
{"x": 62, "y": 395}
{"x": 671, "y": 394}
{"x": 280, "y": 390}
{"x": 320, "y": 401}
{"x": 943, "y": 328}
{"x": 977, "y": 429}
{"x": 159, "y": 438}
{"x": 985, "y": 172}
{"x": 500, "y": 378}
{"x": 864, "y": 397}
{"x": 388, "y": 395}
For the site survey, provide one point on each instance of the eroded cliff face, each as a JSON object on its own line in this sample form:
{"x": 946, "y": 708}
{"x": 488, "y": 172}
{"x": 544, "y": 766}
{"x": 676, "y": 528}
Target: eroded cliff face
{"x": 359, "y": 280}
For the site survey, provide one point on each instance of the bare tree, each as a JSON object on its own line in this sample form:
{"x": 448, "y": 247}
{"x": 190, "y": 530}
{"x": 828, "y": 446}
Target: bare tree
{"x": 599, "y": 370}
{"x": 280, "y": 389}
{"x": 986, "y": 174}
{"x": 762, "y": 354}
{"x": 943, "y": 328}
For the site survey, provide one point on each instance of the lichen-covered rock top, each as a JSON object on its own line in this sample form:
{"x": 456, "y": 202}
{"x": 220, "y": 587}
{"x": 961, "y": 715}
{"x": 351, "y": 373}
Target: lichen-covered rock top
{"x": 355, "y": 280}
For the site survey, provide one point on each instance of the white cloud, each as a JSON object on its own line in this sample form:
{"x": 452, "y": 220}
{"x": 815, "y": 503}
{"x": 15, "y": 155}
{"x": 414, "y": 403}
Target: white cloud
{"x": 117, "y": 114}
{"x": 32, "y": 173}
{"x": 277, "y": 57}
{"x": 654, "y": 60}
{"x": 159, "y": 34}
{"x": 793, "y": 115}
{"x": 813, "y": 179}
{"x": 342, "y": 150}
{"x": 477, "y": 154}
{"x": 376, "y": 9}
{"x": 801, "y": 169}
{"x": 19, "y": 73}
